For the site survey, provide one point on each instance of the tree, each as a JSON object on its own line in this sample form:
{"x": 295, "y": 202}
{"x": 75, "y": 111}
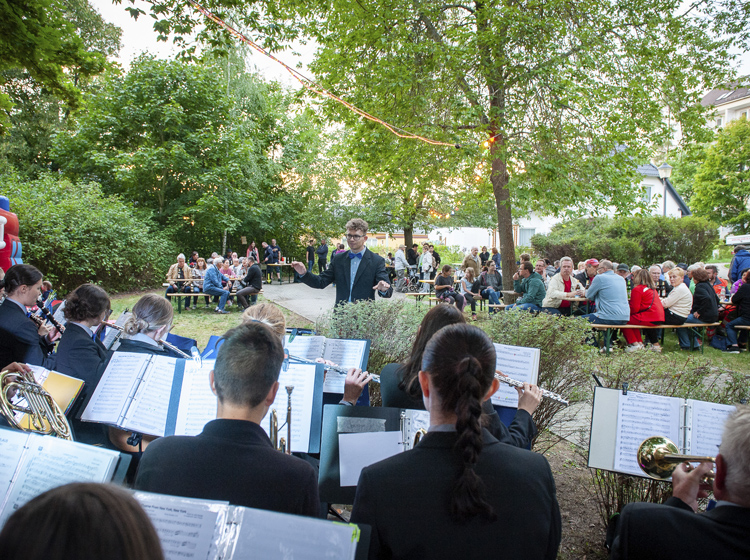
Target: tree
{"x": 722, "y": 182}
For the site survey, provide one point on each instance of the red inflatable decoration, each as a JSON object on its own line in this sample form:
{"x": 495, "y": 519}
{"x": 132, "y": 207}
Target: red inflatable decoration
{"x": 10, "y": 244}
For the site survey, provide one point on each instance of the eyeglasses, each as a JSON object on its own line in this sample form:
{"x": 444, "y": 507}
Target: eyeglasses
{"x": 354, "y": 236}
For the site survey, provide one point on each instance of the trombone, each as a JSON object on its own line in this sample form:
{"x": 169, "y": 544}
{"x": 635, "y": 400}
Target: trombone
{"x": 44, "y": 415}
{"x": 658, "y": 457}
{"x": 283, "y": 445}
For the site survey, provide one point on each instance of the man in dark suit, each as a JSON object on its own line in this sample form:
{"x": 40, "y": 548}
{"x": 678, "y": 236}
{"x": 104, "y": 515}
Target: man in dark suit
{"x": 357, "y": 272}
{"x": 233, "y": 459}
{"x": 673, "y": 530}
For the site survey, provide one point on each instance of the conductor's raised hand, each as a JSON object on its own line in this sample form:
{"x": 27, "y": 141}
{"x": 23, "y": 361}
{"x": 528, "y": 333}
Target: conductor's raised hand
{"x": 299, "y": 268}
{"x": 529, "y": 397}
{"x": 382, "y": 286}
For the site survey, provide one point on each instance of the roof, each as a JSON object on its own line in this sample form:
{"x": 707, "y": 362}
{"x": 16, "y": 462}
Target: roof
{"x": 650, "y": 170}
{"x": 723, "y": 96}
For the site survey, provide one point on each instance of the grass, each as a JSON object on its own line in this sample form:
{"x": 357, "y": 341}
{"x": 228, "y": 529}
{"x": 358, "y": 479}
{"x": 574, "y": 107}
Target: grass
{"x": 201, "y": 323}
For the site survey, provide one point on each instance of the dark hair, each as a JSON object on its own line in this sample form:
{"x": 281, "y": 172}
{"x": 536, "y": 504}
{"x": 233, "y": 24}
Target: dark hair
{"x": 447, "y": 268}
{"x": 86, "y": 302}
{"x": 711, "y": 267}
{"x": 700, "y": 275}
{"x": 434, "y": 320}
{"x": 643, "y": 276}
{"x": 20, "y": 275}
{"x": 86, "y": 521}
{"x": 460, "y": 360}
{"x": 526, "y": 265}
{"x": 248, "y": 364}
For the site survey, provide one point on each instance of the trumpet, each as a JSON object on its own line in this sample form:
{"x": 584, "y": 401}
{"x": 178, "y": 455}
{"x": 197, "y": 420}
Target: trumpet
{"x": 658, "y": 457}
{"x": 44, "y": 415}
{"x": 545, "y": 393}
{"x": 283, "y": 445}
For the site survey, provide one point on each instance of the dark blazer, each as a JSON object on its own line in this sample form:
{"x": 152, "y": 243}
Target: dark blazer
{"x": 520, "y": 433}
{"x": 78, "y": 355}
{"x": 127, "y": 345}
{"x": 230, "y": 460}
{"x": 705, "y": 302}
{"x": 406, "y": 501}
{"x": 671, "y": 530}
{"x": 370, "y": 271}
{"x": 20, "y": 340}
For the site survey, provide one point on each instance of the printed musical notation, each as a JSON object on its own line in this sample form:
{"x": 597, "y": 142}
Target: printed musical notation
{"x": 519, "y": 363}
{"x": 302, "y": 378}
{"x": 116, "y": 388}
{"x": 342, "y": 352}
{"x": 707, "y": 426}
{"x": 197, "y": 402}
{"x": 641, "y": 415}
{"x": 148, "y": 412}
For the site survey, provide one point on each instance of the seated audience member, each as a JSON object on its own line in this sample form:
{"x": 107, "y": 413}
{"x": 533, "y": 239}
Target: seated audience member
{"x": 587, "y": 275}
{"x": 181, "y": 271}
{"x": 399, "y": 386}
{"x": 469, "y": 287}
{"x": 459, "y": 493}
{"x": 738, "y": 283}
{"x": 233, "y": 459}
{"x": 81, "y": 355}
{"x": 529, "y": 283}
{"x": 228, "y": 273}
{"x": 679, "y": 302}
{"x": 444, "y": 288}
{"x": 679, "y": 531}
{"x": 689, "y": 276}
{"x": 742, "y": 301}
{"x": 705, "y": 307}
{"x": 666, "y": 266}
{"x": 472, "y": 261}
{"x": 21, "y": 340}
{"x": 645, "y": 309}
{"x": 718, "y": 284}
{"x": 491, "y": 285}
{"x": 581, "y": 266}
{"x": 610, "y": 294}
{"x": 541, "y": 269}
{"x": 216, "y": 284}
{"x": 663, "y": 287}
{"x": 624, "y": 271}
{"x": 199, "y": 273}
{"x": 253, "y": 284}
{"x": 560, "y": 286}
{"x": 83, "y": 520}
{"x": 525, "y": 257}
{"x": 193, "y": 259}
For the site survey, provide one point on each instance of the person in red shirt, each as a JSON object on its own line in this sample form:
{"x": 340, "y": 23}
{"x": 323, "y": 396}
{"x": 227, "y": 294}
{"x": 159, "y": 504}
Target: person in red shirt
{"x": 645, "y": 309}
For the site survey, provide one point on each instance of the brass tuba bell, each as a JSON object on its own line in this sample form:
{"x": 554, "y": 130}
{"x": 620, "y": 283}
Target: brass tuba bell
{"x": 658, "y": 457}
{"x": 44, "y": 416}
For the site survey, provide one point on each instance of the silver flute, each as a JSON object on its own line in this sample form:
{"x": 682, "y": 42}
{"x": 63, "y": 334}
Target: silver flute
{"x": 338, "y": 369}
{"x": 545, "y": 393}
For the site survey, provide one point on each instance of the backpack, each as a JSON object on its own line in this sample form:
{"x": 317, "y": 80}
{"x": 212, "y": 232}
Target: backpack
{"x": 719, "y": 342}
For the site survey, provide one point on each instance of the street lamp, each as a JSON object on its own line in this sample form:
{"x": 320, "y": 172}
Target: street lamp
{"x": 665, "y": 171}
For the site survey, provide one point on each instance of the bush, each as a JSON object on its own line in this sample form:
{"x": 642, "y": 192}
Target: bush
{"x": 640, "y": 240}
{"x": 564, "y": 365}
{"x": 74, "y": 234}
{"x": 671, "y": 376}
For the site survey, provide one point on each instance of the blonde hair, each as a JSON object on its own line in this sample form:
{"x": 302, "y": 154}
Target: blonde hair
{"x": 151, "y": 313}
{"x": 268, "y": 314}
{"x": 676, "y": 272}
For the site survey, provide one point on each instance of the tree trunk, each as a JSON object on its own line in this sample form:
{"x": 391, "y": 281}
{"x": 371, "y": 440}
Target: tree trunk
{"x": 499, "y": 179}
{"x": 409, "y": 236}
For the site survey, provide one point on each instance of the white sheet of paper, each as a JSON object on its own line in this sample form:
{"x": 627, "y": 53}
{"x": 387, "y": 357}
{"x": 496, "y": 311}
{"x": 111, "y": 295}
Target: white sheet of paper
{"x": 357, "y": 451}
{"x": 345, "y": 353}
{"x": 519, "y": 363}
{"x": 12, "y": 444}
{"x": 115, "y": 388}
{"x": 639, "y": 416}
{"x": 148, "y": 412}
{"x": 197, "y": 402}
{"x": 707, "y": 427}
{"x": 302, "y": 378}
{"x": 305, "y": 347}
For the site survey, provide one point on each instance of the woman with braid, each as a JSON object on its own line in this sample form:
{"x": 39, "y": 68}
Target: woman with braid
{"x": 459, "y": 493}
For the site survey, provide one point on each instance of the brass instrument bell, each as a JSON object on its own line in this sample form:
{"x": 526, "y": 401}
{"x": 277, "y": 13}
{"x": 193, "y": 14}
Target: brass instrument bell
{"x": 658, "y": 457}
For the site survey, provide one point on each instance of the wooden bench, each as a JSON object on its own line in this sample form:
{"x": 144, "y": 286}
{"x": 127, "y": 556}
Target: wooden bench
{"x": 180, "y": 295}
{"x": 418, "y": 296}
{"x": 695, "y": 330}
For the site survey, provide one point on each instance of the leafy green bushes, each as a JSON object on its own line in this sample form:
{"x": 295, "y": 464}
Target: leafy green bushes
{"x": 75, "y": 234}
{"x": 633, "y": 240}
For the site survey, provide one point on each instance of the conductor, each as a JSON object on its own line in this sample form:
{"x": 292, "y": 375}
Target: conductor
{"x": 357, "y": 272}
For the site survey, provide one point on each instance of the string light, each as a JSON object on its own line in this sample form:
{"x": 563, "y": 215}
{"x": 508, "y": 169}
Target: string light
{"x": 311, "y": 86}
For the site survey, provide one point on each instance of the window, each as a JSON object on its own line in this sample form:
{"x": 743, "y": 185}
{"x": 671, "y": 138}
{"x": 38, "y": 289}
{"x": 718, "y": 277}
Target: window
{"x": 719, "y": 122}
{"x": 647, "y": 195}
{"x": 743, "y": 114}
{"x": 524, "y": 236}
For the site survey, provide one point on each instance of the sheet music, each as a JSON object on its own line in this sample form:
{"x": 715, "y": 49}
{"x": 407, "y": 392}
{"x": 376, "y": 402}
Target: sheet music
{"x": 12, "y": 443}
{"x": 51, "y": 462}
{"x": 707, "y": 427}
{"x": 277, "y": 536}
{"x": 416, "y": 420}
{"x": 59, "y": 314}
{"x": 345, "y": 353}
{"x": 116, "y": 388}
{"x": 639, "y": 416}
{"x": 148, "y": 412}
{"x": 357, "y": 451}
{"x": 302, "y": 377}
{"x": 306, "y": 347}
{"x": 197, "y": 402}
{"x": 186, "y": 526}
{"x": 519, "y": 363}
{"x": 111, "y": 334}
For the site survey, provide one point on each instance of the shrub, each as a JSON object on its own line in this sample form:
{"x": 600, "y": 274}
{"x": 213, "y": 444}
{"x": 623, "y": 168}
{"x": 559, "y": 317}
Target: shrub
{"x": 74, "y": 234}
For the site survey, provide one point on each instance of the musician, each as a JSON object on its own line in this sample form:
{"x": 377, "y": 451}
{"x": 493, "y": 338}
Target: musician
{"x": 81, "y": 354}
{"x": 233, "y": 458}
{"x": 357, "y": 273}
{"x": 21, "y": 340}
{"x": 673, "y": 529}
{"x": 150, "y": 322}
{"x": 459, "y": 493}
{"x": 85, "y": 521}
{"x": 399, "y": 384}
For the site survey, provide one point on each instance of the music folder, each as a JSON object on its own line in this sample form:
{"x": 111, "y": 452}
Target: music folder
{"x": 31, "y": 464}
{"x": 519, "y": 363}
{"x": 63, "y": 389}
{"x": 213, "y": 530}
{"x": 622, "y": 419}
{"x": 357, "y": 436}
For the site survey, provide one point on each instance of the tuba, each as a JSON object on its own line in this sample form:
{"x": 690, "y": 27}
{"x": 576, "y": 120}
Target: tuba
{"x": 44, "y": 416}
{"x": 283, "y": 445}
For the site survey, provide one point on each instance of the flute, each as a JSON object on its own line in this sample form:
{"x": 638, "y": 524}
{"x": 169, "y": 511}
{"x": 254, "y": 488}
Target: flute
{"x": 545, "y": 393}
{"x": 333, "y": 367}
{"x": 163, "y": 343}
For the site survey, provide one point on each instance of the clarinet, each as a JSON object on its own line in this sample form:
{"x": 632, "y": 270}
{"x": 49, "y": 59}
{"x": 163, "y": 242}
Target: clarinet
{"x": 49, "y": 316}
